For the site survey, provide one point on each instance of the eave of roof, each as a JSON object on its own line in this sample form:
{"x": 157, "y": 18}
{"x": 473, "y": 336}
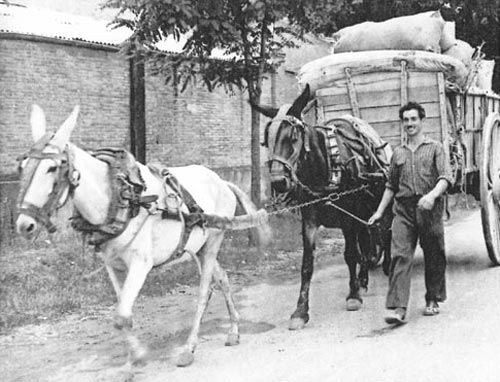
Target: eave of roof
{"x": 30, "y": 23}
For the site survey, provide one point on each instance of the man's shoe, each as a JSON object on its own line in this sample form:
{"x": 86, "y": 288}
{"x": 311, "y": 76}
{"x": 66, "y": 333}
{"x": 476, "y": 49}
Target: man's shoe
{"x": 397, "y": 316}
{"x": 431, "y": 308}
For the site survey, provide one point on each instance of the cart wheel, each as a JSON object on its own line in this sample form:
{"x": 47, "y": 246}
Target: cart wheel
{"x": 490, "y": 186}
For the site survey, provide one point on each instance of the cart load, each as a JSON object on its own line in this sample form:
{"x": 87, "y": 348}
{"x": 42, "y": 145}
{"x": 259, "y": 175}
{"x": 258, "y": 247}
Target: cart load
{"x": 330, "y": 70}
{"x": 423, "y": 32}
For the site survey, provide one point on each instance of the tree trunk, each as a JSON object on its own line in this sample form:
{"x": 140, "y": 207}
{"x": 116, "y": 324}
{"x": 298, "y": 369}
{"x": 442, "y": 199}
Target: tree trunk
{"x": 255, "y": 156}
{"x": 137, "y": 109}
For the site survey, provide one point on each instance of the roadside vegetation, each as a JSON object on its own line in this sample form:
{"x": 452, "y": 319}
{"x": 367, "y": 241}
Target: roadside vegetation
{"x": 57, "y": 275}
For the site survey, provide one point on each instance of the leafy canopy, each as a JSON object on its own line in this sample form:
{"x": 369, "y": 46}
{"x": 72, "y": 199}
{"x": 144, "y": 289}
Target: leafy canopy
{"x": 227, "y": 42}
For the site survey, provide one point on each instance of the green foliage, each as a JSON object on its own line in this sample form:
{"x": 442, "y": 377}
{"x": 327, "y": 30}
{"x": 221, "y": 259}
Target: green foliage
{"x": 249, "y": 37}
{"x": 478, "y": 22}
{"x": 327, "y": 17}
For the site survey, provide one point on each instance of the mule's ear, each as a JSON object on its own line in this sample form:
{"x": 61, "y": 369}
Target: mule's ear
{"x": 267, "y": 111}
{"x": 38, "y": 124}
{"x": 61, "y": 138}
{"x": 300, "y": 103}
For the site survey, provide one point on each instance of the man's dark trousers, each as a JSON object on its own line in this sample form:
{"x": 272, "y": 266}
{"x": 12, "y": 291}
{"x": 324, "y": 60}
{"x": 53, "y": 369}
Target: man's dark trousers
{"x": 409, "y": 225}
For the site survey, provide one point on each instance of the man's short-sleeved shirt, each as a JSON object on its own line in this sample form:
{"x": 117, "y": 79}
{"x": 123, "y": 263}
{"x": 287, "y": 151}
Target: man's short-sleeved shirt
{"x": 413, "y": 173}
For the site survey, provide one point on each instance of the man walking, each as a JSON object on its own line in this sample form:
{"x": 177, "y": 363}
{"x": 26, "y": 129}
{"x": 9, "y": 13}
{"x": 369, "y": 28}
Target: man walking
{"x": 419, "y": 174}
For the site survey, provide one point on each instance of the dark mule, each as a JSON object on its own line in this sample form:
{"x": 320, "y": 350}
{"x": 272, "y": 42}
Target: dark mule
{"x": 300, "y": 167}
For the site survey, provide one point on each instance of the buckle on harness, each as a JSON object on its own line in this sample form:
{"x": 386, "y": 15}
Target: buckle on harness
{"x": 173, "y": 207}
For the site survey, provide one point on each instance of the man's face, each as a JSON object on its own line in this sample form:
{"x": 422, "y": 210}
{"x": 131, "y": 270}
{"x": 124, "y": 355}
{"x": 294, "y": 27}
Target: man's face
{"x": 412, "y": 122}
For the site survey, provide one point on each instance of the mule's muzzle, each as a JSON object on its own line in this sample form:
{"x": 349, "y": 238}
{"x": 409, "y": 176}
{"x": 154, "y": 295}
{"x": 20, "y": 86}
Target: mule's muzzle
{"x": 26, "y": 226}
{"x": 281, "y": 184}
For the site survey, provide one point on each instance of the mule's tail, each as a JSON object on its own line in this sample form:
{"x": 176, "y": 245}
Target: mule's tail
{"x": 260, "y": 233}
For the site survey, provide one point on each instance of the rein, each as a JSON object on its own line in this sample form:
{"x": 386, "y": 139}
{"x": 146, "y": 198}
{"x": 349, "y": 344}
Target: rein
{"x": 67, "y": 180}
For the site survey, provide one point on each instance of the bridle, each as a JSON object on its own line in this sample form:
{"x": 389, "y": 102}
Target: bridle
{"x": 271, "y": 142}
{"x": 67, "y": 180}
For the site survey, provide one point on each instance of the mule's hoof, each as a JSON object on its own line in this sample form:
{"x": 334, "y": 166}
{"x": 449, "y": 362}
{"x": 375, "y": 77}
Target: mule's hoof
{"x": 296, "y": 323}
{"x": 353, "y": 304}
{"x": 184, "y": 359}
{"x": 233, "y": 339}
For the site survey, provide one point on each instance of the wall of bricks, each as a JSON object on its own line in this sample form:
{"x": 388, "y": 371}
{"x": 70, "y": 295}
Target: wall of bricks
{"x": 57, "y": 77}
{"x": 196, "y": 126}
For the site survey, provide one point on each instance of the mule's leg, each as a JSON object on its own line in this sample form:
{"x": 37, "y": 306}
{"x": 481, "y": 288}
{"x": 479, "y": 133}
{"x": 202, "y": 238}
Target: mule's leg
{"x": 138, "y": 269}
{"x": 208, "y": 255}
{"x": 114, "y": 281}
{"x": 351, "y": 257}
{"x": 309, "y": 230}
{"x": 220, "y": 277}
{"x": 386, "y": 264}
{"x": 367, "y": 248}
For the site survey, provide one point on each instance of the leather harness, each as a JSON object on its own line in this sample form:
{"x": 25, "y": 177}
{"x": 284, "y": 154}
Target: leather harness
{"x": 126, "y": 200}
{"x": 67, "y": 177}
{"x": 194, "y": 216}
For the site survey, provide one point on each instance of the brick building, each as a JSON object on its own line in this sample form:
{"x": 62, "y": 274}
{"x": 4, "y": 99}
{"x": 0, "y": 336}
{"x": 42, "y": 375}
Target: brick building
{"x": 58, "y": 60}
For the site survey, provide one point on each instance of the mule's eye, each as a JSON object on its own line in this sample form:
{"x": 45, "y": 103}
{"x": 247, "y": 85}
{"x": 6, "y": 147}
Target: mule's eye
{"x": 52, "y": 169}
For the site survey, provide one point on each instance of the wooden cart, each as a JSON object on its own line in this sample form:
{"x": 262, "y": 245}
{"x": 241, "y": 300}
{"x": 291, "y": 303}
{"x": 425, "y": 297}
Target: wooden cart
{"x": 467, "y": 123}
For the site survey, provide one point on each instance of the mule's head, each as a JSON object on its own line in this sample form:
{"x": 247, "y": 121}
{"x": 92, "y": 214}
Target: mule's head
{"x": 46, "y": 174}
{"x": 286, "y": 140}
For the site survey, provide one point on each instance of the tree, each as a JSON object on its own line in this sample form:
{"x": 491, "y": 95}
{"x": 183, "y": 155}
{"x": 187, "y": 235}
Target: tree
{"x": 478, "y": 22}
{"x": 251, "y": 34}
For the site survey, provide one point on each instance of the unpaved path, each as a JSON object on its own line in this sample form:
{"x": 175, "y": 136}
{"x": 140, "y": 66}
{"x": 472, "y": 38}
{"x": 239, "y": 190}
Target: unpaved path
{"x": 461, "y": 344}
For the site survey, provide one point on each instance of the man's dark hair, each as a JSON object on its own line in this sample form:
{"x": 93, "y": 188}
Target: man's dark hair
{"x": 412, "y": 106}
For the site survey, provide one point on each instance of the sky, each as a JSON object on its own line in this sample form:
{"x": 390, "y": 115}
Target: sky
{"x": 77, "y": 7}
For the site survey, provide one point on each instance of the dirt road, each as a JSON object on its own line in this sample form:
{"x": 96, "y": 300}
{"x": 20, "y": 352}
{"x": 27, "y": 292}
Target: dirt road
{"x": 461, "y": 344}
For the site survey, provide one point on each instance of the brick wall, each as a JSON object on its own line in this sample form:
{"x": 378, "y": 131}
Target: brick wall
{"x": 57, "y": 77}
{"x": 196, "y": 126}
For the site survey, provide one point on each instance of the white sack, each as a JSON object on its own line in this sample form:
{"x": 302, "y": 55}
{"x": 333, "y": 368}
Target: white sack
{"x": 484, "y": 76}
{"x": 417, "y": 32}
{"x": 325, "y": 71}
{"x": 448, "y": 36}
{"x": 461, "y": 51}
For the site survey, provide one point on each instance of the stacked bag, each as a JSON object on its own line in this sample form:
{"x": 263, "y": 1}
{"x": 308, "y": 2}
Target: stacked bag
{"x": 326, "y": 71}
{"x": 418, "y": 32}
{"x": 427, "y": 32}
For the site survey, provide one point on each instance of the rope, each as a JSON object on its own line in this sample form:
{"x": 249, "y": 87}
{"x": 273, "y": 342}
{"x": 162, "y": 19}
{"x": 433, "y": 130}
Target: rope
{"x": 349, "y": 214}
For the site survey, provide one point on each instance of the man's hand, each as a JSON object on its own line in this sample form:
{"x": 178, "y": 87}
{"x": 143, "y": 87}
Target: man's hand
{"x": 375, "y": 217}
{"x": 426, "y": 202}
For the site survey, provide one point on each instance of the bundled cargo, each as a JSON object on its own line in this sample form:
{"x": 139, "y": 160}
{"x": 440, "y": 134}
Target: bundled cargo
{"x": 326, "y": 71}
{"x": 448, "y": 36}
{"x": 484, "y": 76}
{"x": 462, "y": 51}
{"x": 422, "y": 31}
